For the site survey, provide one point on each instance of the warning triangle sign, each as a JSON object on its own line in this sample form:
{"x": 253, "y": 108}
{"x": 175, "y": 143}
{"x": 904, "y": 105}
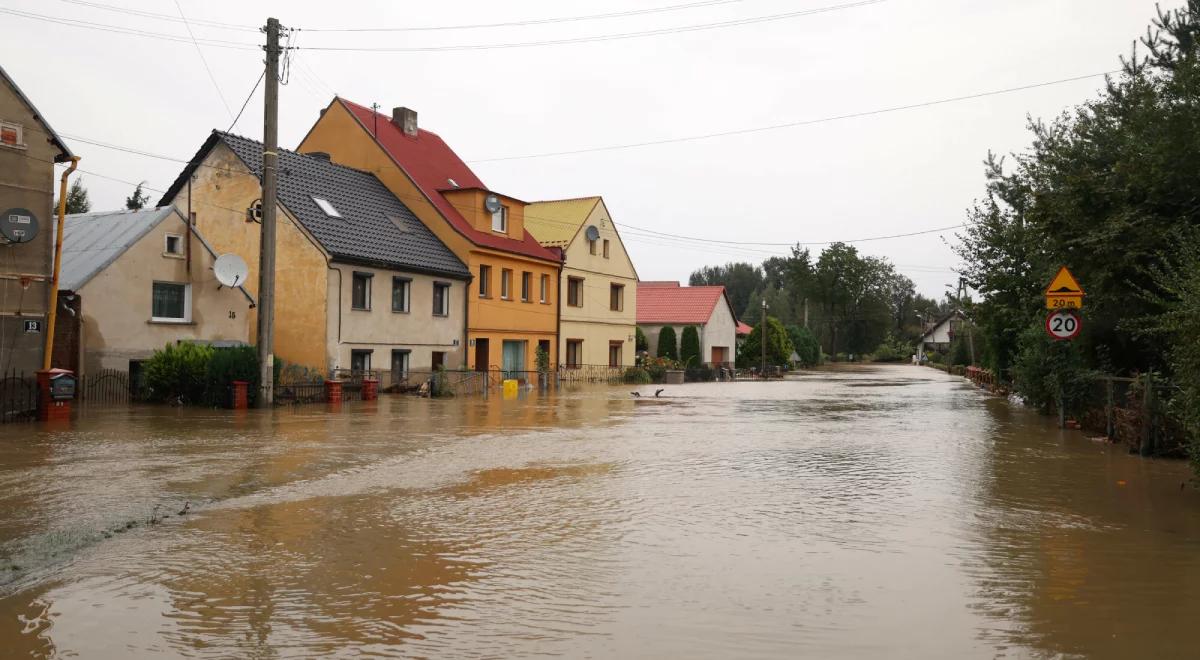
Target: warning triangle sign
{"x": 1064, "y": 284}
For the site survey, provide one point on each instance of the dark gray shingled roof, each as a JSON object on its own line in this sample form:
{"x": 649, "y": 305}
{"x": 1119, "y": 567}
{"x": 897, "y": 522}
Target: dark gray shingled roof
{"x": 375, "y": 229}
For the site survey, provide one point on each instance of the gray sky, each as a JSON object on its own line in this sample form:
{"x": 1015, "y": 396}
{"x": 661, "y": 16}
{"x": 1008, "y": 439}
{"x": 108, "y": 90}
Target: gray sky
{"x": 879, "y": 175}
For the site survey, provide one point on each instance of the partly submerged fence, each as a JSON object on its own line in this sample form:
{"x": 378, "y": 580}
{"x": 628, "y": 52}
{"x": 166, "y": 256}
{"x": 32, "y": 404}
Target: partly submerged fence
{"x": 18, "y": 397}
{"x": 105, "y": 387}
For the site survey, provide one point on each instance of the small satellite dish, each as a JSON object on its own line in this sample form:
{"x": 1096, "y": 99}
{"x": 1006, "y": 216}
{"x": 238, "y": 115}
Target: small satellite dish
{"x": 592, "y": 233}
{"x": 230, "y": 270}
{"x": 492, "y": 204}
{"x": 18, "y": 225}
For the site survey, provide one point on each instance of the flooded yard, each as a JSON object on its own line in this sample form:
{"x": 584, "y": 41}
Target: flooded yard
{"x": 845, "y": 513}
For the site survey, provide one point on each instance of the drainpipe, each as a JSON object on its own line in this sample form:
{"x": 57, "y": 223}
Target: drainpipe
{"x": 466, "y": 321}
{"x": 48, "y": 352}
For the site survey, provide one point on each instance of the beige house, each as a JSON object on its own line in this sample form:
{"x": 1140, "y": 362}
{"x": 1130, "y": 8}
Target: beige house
{"x": 598, "y": 310}
{"x": 135, "y": 281}
{"x": 29, "y": 148}
{"x": 361, "y": 284}
{"x": 707, "y": 308}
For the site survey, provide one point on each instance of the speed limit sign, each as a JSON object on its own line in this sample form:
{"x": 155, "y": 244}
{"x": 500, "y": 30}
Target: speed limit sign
{"x": 1063, "y": 325}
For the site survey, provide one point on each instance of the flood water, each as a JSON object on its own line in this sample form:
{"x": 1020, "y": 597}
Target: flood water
{"x": 852, "y": 513}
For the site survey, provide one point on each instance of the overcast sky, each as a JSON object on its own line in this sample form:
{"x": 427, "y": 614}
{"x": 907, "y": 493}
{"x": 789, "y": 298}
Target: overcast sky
{"x": 878, "y": 175}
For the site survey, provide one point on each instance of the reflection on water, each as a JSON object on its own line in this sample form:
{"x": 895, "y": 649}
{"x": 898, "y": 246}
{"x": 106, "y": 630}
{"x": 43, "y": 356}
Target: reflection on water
{"x": 860, "y": 512}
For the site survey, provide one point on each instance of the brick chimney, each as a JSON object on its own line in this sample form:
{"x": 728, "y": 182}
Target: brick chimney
{"x": 406, "y": 119}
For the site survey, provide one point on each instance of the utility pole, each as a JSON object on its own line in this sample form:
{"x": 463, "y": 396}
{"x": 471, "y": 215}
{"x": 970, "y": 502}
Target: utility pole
{"x": 806, "y": 313}
{"x": 764, "y": 338}
{"x": 266, "y": 253}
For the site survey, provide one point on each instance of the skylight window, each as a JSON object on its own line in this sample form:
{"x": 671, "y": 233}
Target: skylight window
{"x": 327, "y": 207}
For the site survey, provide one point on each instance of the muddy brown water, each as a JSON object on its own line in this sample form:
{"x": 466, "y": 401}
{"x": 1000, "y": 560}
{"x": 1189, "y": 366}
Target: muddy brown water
{"x": 852, "y": 513}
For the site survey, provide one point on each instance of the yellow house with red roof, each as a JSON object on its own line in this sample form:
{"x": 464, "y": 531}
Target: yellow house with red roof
{"x": 598, "y": 318}
{"x": 512, "y": 304}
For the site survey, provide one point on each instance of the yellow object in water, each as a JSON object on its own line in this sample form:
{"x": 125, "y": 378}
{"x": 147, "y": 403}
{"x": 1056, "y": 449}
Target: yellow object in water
{"x": 510, "y": 388}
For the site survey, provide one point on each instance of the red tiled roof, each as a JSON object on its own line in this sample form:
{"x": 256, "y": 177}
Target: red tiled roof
{"x": 431, "y": 163}
{"x": 659, "y": 283}
{"x": 743, "y": 329}
{"x": 677, "y": 304}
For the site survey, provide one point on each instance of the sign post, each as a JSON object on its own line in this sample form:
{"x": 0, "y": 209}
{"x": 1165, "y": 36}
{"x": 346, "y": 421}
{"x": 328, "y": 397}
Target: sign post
{"x": 1064, "y": 299}
{"x": 1064, "y": 292}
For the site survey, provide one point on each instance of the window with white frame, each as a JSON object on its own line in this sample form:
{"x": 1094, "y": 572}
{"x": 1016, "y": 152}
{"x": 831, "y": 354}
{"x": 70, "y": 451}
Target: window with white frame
{"x": 545, "y": 288}
{"x": 12, "y": 134}
{"x": 171, "y": 302}
{"x": 401, "y": 288}
{"x": 173, "y": 244}
{"x": 441, "y": 299}
{"x": 500, "y": 220}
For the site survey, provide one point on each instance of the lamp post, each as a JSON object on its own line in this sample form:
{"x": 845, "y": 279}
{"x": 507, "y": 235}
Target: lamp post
{"x": 764, "y": 338}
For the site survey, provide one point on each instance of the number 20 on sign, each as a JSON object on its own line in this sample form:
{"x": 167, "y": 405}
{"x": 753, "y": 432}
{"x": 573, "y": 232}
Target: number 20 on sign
{"x": 1063, "y": 325}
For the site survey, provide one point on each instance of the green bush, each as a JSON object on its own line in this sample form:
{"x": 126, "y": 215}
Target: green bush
{"x": 934, "y": 357}
{"x": 657, "y": 372}
{"x": 893, "y": 349}
{"x": 226, "y": 365}
{"x": 779, "y": 346}
{"x": 668, "y": 346}
{"x": 806, "y": 345}
{"x": 960, "y": 353}
{"x": 689, "y": 347}
{"x": 178, "y": 373}
{"x": 637, "y": 376}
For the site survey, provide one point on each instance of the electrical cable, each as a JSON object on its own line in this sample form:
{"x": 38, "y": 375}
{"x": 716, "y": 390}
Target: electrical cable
{"x": 116, "y": 29}
{"x": 204, "y": 61}
{"x": 163, "y": 17}
{"x": 247, "y": 101}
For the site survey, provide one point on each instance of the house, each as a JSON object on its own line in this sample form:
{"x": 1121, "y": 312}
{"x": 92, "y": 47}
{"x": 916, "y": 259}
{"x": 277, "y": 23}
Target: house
{"x": 512, "y": 310}
{"x": 940, "y": 334}
{"x": 743, "y": 332}
{"x": 29, "y": 148}
{"x": 360, "y": 283}
{"x": 661, "y": 304}
{"x": 135, "y": 281}
{"x": 598, "y": 316}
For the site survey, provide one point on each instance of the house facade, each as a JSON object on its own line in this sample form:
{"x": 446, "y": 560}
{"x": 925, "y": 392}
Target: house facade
{"x": 940, "y": 334}
{"x": 512, "y": 308}
{"x": 131, "y": 283}
{"x": 361, "y": 284}
{"x": 662, "y": 304}
{"x": 29, "y": 148}
{"x": 598, "y": 316}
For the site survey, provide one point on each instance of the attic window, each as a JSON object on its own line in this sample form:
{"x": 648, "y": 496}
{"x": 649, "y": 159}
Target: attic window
{"x": 327, "y": 207}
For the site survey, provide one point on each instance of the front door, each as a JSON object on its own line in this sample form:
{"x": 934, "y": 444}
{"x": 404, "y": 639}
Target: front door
{"x": 514, "y": 358}
{"x": 481, "y": 355}
{"x": 399, "y": 367}
{"x": 614, "y": 353}
{"x": 720, "y": 354}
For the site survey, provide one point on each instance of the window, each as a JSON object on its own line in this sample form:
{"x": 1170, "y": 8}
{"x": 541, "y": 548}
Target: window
{"x": 12, "y": 134}
{"x": 592, "y": 246}
{"x": 399, "y": 366}
{"x": 574, "y": 353}
{"x": 173, "y": 244}
{"x": 606, "y": 248}
{"x": 171, "y": 302}
{"x": 441, "y": 299}
{"x": 614, "y": 353}
{"x": 575, "y": 291}
{"x": 437, "y": 360}
{"x": 360, "y": 361}
{"x": 526, "y": 286}
{"x": 485, "y": 281}
{"x": 505, "y": 284}
{"x": 360, "y": 291}
{"x": 545, "y": 288}
{"x": 327, "y": 207}
{"x": 616, "y": 297}
{"x": 500, "y": 220}
{"x": 401, "y": 287}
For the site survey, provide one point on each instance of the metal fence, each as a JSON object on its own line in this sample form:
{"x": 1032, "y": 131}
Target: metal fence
{"x": 18, "y": 397}
{"x": 1135, "y": 411}
{"x": 104, "y": 387}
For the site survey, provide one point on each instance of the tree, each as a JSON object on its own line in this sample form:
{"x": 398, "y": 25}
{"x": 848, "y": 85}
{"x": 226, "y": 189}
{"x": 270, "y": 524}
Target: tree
{"x": 805, "y": 344}
{"x": 689, "y": 347}
{"x": 640, "y": 344}
{"x": 779, "y": 346}
{"x": 739, "y": 279}
{"x": 138, "y": 199}
{"x": 77, "y": 198}
{"x": 667, "y": 346}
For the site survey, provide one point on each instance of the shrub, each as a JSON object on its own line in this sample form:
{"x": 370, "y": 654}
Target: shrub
{"x": 637, "y": 376}
{"x": 779, "y": 346}
{"x": 960, "y": 353}
{"x": 657, "y": 372}
{"x": 226, "y": 365}
{"x": 178, "y": 373}
{"x": 689, "y": 347}
{"x": 893, "y": 349}
{"x": 668, "y": 347}
{"x": 805, "y": 344}
{"x": 640, "y": 344}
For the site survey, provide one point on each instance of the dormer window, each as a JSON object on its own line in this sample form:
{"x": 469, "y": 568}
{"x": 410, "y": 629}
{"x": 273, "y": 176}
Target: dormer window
{"x": 500, "y": 220}
{"x": 327, "y": 207}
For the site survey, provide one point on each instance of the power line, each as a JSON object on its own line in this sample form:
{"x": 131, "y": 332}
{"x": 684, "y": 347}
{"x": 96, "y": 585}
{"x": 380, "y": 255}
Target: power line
{"x": 247, "y": 101}
{"x": 794, "y": 124}
{"x": 857, "y": 240}
{"x": 601, "y": 37}
{"x": 536, "y": 21}
{"x": 117, "y": 29}
{"x": 204, "y": 61}
{"x": 162, "y": 17}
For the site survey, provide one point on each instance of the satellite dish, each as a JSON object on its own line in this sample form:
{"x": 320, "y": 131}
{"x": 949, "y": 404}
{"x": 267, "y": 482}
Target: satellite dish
{"x": 592, "y": 233}
{"x": 230, "y": 270}
{"x": 492, "y": 204}
{"x": 18, "y": 225}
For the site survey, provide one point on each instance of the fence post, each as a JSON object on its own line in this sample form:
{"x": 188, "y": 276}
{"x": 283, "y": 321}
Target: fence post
{"x": 1147, "y": 447}
{"x": 1108, "y": 407}
{"x": 1062, "y": 407}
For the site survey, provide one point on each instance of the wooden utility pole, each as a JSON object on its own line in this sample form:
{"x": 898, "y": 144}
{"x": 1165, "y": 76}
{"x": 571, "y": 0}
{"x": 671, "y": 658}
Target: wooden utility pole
{"x": 266, "y": 253}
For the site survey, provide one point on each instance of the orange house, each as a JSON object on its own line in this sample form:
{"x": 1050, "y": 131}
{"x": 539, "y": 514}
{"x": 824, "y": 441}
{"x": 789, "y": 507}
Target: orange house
{"x": 512, "y": 310}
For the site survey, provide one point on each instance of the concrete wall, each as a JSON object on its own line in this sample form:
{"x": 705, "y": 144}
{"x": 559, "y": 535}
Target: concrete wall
{"x": 26, "y": 181}
{"x": 222, "y": 189}
{"x": 382, "y": 330}
{"x": 339, "y": 134}
{"x": 595, "y": 322}
{"x": 721, "y": 330}
{"x": 116, "y": 317}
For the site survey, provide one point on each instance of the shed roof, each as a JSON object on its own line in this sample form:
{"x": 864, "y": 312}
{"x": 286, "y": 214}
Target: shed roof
{"x": 375, "y": 228}
{"x": 555, "y": 223}
{"x": 691, "y": 305}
